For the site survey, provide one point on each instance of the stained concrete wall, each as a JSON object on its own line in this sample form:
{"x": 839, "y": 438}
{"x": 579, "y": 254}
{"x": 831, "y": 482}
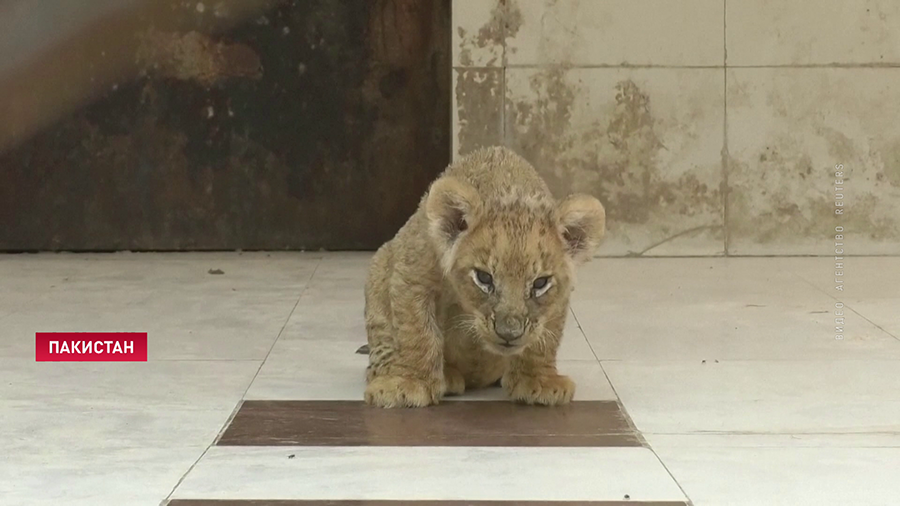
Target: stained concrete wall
{"x": 706, "y": 127}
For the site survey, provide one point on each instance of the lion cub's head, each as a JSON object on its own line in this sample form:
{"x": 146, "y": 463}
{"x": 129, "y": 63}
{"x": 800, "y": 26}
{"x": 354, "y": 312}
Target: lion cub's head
{"x": 511, "y": 259}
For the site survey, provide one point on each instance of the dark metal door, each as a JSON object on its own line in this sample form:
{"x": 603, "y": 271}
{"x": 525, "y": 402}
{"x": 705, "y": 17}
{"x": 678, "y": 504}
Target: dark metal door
{"x": 172, "y": 125}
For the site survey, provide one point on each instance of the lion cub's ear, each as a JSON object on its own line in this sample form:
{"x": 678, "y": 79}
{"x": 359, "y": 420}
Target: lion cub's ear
{"x": 452, "y": 207}
{"x": 582, "y": 223}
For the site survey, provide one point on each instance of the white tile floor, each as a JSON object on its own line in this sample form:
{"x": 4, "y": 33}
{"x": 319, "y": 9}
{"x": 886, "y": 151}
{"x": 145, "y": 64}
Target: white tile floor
{"x": 729, "y": 367}
{"x": 445, "y": 473}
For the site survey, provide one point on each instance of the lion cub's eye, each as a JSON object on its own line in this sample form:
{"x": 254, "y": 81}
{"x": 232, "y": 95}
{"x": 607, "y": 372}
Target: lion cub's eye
{"x": 540, "y": 286}
{"x": 484, "y": 280}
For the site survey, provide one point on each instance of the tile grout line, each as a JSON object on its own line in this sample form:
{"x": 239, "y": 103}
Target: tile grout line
{"x": 739, "y": 256}
{"x": 846, "y": 304}
{"x": 879, "y": 327}
{"x": 680, "y": 361}
{"x": 455, "y": 75}
{"x": 503, "y": 67}
{"x": 625, "y": 411}
{"x": 249, "y": 384}
{"x": 726, "y": 189}
{"x": 581, "y": 331}
{"x": 651, "y": 66}
{"x": 736, "y": 433}
{"x": 206, "y": 360}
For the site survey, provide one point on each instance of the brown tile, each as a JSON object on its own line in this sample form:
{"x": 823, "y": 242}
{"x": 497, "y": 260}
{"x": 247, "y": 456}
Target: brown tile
{"x": 255, "y": 502}
{"x": 458, "y": 423}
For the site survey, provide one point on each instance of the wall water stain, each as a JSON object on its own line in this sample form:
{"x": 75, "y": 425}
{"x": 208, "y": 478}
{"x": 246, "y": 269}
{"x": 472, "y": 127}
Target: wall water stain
{"x": 616, "y": 157}
{"x": 504, "y": 22}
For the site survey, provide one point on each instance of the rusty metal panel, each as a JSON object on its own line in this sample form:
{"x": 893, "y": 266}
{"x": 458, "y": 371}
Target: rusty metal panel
{"x": 177, "y": 125}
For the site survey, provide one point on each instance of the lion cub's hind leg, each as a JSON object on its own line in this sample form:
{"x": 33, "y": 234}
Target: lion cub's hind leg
{"x": 476, "y": 367}
{"x": 454, "y": 382}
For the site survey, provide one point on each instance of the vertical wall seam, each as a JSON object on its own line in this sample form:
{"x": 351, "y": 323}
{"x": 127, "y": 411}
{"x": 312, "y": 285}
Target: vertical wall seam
{"x": 505, "y": 9}
{"x": 726, "y": 188}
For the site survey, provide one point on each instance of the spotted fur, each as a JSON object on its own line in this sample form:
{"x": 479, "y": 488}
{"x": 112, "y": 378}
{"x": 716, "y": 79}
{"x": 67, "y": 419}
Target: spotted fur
{"x": 433, "y": 330}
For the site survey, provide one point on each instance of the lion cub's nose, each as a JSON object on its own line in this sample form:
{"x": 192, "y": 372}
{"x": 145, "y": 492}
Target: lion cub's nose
{"x": 509, "y": 328}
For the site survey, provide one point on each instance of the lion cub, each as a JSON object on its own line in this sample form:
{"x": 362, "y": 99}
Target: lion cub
{"x": 475, "y": 287}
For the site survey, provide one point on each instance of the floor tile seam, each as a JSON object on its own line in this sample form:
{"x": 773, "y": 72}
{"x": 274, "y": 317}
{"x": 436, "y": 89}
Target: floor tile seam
{"x": 249, "y": 384}
{"x": 720, "y": 361}
{"x": 848, "y": 305}
{"x": 775, "y": 433}
{"x": 637, "y": 432}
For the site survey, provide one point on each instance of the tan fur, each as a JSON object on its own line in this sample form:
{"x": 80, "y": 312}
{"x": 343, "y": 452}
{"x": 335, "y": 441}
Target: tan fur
{"x": 434, "y": 330}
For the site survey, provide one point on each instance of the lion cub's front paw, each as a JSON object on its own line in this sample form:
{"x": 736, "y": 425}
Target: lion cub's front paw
{"x": 551, "y": 390}
{"x": 400, "y": 392}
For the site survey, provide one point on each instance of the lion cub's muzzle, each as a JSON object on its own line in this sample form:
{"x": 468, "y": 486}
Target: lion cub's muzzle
{"x": 510, "y": 330}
